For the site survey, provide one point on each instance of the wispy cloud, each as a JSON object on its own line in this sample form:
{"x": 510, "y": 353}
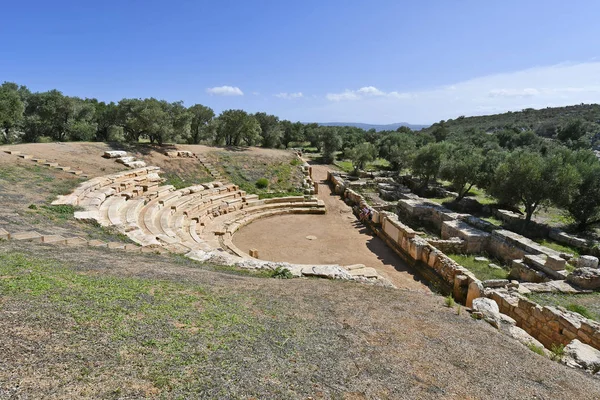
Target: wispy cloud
{"x": 225, "y": 91}
{"x": 539, "y": 87}
{"x": 289, "y": 96}
{"x": 364, "y": 92}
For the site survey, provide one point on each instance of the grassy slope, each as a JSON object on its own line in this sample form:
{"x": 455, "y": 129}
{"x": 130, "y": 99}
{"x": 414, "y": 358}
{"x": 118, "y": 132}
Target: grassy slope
{"x": 480, "y": 268}
{"x": 587, "y": 305}
{"x": 95, "y": 325}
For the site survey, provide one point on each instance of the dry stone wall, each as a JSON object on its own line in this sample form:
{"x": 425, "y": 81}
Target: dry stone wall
{"x": 549, "y": 325}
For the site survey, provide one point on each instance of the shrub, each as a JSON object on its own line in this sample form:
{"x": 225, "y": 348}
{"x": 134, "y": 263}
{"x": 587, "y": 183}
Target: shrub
{"x": 32, "y": 207}
{"x": 558, "y": 351}
{"x": 262, "y": 183}
{"x": 449, "y": 301}
{"x": 536, "y": 349}
{"x": 281, "y": 273}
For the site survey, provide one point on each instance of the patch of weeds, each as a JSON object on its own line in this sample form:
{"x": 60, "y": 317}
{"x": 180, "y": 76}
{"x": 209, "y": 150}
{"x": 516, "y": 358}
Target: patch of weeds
{"x": 32, "y": 207}
{"x": 558, "y": 247}
{"x": 581, "y": 310}
{"x": 281, "y": 273}
{"x": 558, "y": 351}
{"x": 586, "y": 304}
{"x": 536, "y": 349}
{"x": 459, "y": 310}
{"x": 480, "y": 269}
{"x": 493, "y": 221}
{"x": 449, "y": 301}
{"x": 262, "y": 183}
{"x": 441, "y": 200}
{"x": 295, "y": 162}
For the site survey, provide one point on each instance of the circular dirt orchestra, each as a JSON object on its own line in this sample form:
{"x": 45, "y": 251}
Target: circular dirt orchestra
{"x": 336, "y": 237}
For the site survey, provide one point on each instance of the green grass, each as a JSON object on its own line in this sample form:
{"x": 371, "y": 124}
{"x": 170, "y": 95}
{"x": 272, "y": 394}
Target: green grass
{"x": 189, "y": 178}
{"x": 377, "y": 165}
{"x": 159, "y": 329}
{"x": 480, "y": 268}
{"x": 493, "y": 220}
{"x": 587, "y": 305}
{"x": 283, "y": 174}
{"x": 558, "y": 247}
{"x": 536, "y": 349}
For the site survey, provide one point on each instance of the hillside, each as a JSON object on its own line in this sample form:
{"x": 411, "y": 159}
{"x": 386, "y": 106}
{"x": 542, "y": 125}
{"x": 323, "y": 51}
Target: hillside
{"x": 538, "y": 120}
{"x": 378, "y": 128}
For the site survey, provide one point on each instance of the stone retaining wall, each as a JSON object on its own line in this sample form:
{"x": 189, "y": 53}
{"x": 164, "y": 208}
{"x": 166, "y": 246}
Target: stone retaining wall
{"x": 549, "y": 325}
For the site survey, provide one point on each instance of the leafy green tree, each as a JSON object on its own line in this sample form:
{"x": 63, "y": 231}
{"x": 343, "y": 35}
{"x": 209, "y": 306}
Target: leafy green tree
{"x": 361, "y": 154}
{"x": 332, "y": 142}
{"x": 200, "y": 124}
{"x": 12, "y": 109}
{"x": 157, "y": 120}
{"x": 533, "y": 180}
{"x": 292, "y": 132}
{"x": 427, "y": 162}
{"x": 105, "y": 117}
{"x": 440, "y": 131}
{"x": 584, "y": 204}
{"x": 237, "y": 126}
{"x": 270, "y": 128}
{"x": 398, "y": 148}
{"x": 59, "y": 117}
{"x": 463, "y": 166}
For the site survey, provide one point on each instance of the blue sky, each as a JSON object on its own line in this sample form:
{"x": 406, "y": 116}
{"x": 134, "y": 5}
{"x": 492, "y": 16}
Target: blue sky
{"x": 329, "y": 60}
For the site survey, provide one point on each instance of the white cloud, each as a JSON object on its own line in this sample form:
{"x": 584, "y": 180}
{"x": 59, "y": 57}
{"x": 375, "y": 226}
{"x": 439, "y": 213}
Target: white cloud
{"x": 364, "y": 92}
{"x": 289, "y": 96}
{"x": 225, "y": 91}
{"x": 539, "y": 87}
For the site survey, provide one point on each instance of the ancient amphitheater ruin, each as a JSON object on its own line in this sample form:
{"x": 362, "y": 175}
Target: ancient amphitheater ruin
{"x": 200, "y": 222}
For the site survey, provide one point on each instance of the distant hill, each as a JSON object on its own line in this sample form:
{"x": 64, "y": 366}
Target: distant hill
{"x": 389, "y": 127}
{"x": 542, "y": 121}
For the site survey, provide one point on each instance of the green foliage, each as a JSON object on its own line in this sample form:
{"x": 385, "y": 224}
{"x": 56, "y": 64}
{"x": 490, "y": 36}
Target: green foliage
{"x": 579, "y": 309}
{"x": 464, "y": 167}
{"x": 398, "y": 148}
{"x": 201, "y": 118}
{"x": 237, "y": 127}
{"x": 449, "y": 301}
{"x": 584, "y": 204}
{"x": 361, "y": 154}
{"x": 332, "y": 142}
{"x": 480, "y": 269}
{"x": 427, "y": 162}
{"x": 262, "y": 183}
{"x": 12, "y": 108}
{"x": 536, "y": 349}
{"x": 558, "y": 352}
{"x": 534, "y": 180}
{"x": 281, "y": 273}
{"x": 270, "y": 128}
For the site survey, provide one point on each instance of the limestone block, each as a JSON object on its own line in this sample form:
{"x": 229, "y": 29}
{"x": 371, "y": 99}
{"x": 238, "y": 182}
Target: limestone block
{"x": 461, "y": 283}
{"x": 125, "y": 160}
{"x": 475, "y": 291}
{"x": 581, "y": 355}
{"x": 4, "y": 234}
{"x": 114, "y": 154}
{"x": 56, "y": 239}
{"x": 495, "y": 283}
{"x": 253, "y": 253}
{"x": 585, "y": 278}
{"x": 366, "y": 272}
{"x": 28, "y": 236}
{"x": 136, "y": 164}
{"x": 26, "y": 156}
{"x": 76, "y": 241}
{"x": 587, "y": 262}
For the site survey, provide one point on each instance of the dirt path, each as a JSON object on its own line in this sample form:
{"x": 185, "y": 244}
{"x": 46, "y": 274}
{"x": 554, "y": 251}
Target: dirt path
{"x": 341, "y": 239}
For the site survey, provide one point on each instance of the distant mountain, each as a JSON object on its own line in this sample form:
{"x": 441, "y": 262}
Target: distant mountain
{"x": 389, "y": 127}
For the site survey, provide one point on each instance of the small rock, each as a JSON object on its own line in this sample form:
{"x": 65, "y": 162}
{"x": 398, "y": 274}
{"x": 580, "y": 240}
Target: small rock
{"x": 587, "y": 262}
{"x": 311, "y": 237}
{"x": 494, "y": 266}
{"x": 481, "y": 259}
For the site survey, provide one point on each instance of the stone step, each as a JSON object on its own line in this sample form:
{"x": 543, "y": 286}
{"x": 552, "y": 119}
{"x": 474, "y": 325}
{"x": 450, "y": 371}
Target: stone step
{"x": 55, "y": 239}
{"x": 4, "y": 234}
{"x": 76, "y": 172}
{"x": 29, "y": 236}
{"x": 13, "y": 152}
{"x": 76, "y": 241}
{"x": 97, "y": 243}
{"x": 51, "y": 164}
{"x": 26, "y": 156}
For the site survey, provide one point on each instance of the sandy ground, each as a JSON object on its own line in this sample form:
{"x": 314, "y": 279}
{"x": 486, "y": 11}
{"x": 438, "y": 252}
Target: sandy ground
{"x": 341, "y": 239}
